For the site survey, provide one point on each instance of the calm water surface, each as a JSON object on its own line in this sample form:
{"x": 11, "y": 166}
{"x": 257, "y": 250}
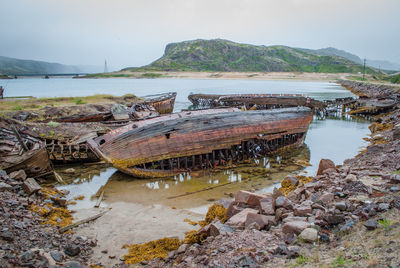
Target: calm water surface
{"x": 334, "y": 138}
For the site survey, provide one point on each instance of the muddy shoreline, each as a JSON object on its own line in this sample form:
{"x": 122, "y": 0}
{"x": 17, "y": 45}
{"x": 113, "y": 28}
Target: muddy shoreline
{"x": 361, "y": 189}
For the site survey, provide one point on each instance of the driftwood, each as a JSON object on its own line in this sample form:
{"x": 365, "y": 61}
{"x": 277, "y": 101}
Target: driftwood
{"x": 58, "y": 178}
{"x": 76, "y": 224}
{"x": 99, "y": 200}
{"x": 202, "y": 190}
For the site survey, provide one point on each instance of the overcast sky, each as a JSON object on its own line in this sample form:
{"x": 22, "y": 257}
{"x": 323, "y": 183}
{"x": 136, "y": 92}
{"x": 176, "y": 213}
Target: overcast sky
{"x": 135, "y": 32}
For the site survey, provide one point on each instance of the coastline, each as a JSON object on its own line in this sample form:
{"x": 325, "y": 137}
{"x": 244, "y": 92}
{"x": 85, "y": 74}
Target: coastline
{"x": 295, "y": 76}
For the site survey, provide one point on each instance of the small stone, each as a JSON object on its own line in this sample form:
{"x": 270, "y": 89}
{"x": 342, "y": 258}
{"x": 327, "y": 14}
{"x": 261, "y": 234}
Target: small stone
{"x": 334, "y": 219}
{"x": 350, "y": 178}
{"x": 326, "y": 198}
{"x": 5, "y": 187}
{"x": 27, "y": 256}
{"x": 293, "y": 252}
{"x": 371, "y": 224}
{"x": 19, "y": 175}
{"x": 309, "y": 235}
{"x": 182, "y": 248}
{"x": 72, "y": 264}
{"x": 171, "y": 254}
{"x": 295, "y": 227}
{"x": 394, "y": 189}
{"x": 7, "y": 236}
{"x": 281, "y": 250}
{"x": 283, "y": 202}
{"x": 340, "y": 206}
{"x": 383, "y": 207}
{"x": 324, "y": 238}
{"x": 30, "y": 186}
{"x": 56, "y": 255}
{"x": 302, "y": 210}
{"x": 72, "y": 250}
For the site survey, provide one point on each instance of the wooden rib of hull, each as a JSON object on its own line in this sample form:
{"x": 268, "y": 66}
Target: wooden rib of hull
{"x": 167, "y": 147}
{"x": 272, "y": 100}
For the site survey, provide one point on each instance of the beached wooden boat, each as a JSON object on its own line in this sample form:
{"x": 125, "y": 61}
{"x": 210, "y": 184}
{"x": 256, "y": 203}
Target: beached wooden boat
{"x": 22, "y": 151}
{"x": 163, "y": 103}
{"x": 254, "y": 101}
{"x": 167, "y": 145}
{"x": 367, "y": 106}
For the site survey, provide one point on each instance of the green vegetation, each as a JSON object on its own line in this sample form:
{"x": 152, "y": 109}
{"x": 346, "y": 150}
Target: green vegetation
{"x": 222, "y": 55}
{"x": 340, "y": 261}
{"x": 385, "y": 224}
{"x": 17, "y": 108}
{"x": 79, "y": 101}
{"x": 151, "y": 75}
{"x": 53, "y": 124}
{"x": 302, "y": 260}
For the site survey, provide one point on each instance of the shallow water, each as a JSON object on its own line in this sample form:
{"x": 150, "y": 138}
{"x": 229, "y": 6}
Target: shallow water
{"x": 333, "y": 138}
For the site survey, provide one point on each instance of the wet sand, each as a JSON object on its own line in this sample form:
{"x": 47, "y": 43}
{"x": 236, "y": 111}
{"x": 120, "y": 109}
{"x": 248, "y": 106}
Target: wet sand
{"x": 129, "y": 223}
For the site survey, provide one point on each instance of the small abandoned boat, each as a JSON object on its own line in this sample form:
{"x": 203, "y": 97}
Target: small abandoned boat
{"x": 163, "y": 103}
{"x": 367, "y": 106}
{"x": 255, "y": 101}
{"x": 22, "y": 151}
{"x": 168, "y": 145}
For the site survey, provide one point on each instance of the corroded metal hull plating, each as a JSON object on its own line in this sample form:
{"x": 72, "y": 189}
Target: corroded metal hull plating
{"x": 201, "y": 140}
{"x": 262, "y": 101}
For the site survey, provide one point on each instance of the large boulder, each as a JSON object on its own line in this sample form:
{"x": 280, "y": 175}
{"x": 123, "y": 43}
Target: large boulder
{"x": 267, "y": 205}
{"x": 239, "y": 220}
{"x": 262, "y": 221}
{"x": 248, "y": 198}
{"x": 324, "y": 164}
{"x": 295, "y": 227}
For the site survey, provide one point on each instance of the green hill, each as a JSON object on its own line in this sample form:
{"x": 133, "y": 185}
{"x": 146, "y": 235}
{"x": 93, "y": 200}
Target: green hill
{"x": 225, "y": 56}
{"x": 12, "y": 66}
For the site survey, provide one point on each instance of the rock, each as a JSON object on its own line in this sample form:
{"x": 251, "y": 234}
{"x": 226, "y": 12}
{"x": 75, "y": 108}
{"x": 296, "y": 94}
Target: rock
{"x": 283, "y": 202}
{"x": 62, "y": 202}
{"x": 239, "y": 220}
{"x": 267, "y": 205}
{"x": 341, "y": 206}
{"x": 30, "y": 186}
{"x": 72, "y": 264}
{"x": 371, "y": 224}
{"x": 326, "y": 198}
{"x": 222, "y": 228}
{"x": 72, "y": 250}
{"x": 324, "y": 238}
{"x": 302, "y": 210}
{"x": 394, "y": 189}
{"x": 171, "y": 254}
{"x": 324, "y": 164}
{"x": 19, "y": 175}
{"x": 225, "y": 202}
{"x": 5, "y": 187}
{"x": 396, "y": 132}
{"x": 281, "y": 250}
{"x": 262, "y": 220}
{"x": 293, "y": 252}
{"x": 27, "y": 256}
{"x": 56, "y": 255}
{"x": 383, "y": 207}
{"x": 309, "y": 235}
{"x": 3, "y": 175}
{"x": 7, "y": 236}
{"x": 295, "y": 227}
{"x": 248, "y": 198}
{"x": 233, "y": 209}
{"x": 69, "y": 171}
{"x": 293, "y": 180}
{"x": 182, "y": 248}
{"x": 334, "y": 219}
{"x": 291, "y": 218}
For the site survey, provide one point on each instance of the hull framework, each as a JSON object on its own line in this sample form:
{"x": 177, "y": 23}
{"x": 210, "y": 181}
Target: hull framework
{"x": 169, "y": 147}
{"x": 258, "y": 101}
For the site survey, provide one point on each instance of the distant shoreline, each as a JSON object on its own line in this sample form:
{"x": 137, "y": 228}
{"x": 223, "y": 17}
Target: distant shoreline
{"x": 223, "y": 75}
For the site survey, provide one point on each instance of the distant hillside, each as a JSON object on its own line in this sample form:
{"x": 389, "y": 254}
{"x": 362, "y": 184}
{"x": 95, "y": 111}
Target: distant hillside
{"x": 330, "y": 51}
{"x": 224, "y": 55}
{"x": 12, "y": 66}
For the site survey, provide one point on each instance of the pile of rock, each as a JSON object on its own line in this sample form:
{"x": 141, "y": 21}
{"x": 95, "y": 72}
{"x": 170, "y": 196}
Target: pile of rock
{"x": 24, "y": 240}
{"x": 371, "y": 90}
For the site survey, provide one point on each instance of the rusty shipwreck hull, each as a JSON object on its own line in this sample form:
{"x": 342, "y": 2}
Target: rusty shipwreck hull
{"x": 201, "y": 140}
{"x": 258, "y": 101}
